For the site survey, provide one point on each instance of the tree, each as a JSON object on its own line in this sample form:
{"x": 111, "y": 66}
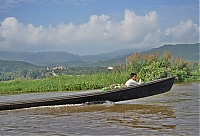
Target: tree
{"x": 24, "y": 73}
{"x": 154, "y": 66}
{"x": 35, "y": 74}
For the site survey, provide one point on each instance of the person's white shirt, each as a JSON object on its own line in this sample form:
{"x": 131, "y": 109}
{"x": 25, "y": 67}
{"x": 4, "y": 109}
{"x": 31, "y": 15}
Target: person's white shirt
{"x": 132, "y": 82}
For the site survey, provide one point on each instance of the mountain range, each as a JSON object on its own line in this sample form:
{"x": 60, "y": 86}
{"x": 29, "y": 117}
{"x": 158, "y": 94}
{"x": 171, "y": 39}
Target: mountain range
{"x": 189, "y": 52}
{"x": 54, "y": 58}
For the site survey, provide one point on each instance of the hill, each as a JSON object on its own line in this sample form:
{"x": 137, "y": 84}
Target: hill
{"x": 189, "y": 52}
{"x": 38, "y": 58}
{"x": 16, "y": 66}
{"x": 51, "y": 58}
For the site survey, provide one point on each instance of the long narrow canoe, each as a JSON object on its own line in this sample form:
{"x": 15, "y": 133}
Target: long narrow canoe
{"x": 139, "y": 91}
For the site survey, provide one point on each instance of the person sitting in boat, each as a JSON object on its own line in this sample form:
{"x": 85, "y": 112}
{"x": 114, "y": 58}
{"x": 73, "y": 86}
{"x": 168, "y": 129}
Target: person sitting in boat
{"x": 132, "y": 80}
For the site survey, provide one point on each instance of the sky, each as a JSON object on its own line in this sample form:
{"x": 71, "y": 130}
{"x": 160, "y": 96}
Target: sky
{"x": 86, "y": 27}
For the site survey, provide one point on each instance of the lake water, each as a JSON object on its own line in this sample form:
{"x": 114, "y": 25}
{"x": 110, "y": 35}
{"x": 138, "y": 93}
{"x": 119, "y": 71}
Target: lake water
{"x": 173, "y": 113}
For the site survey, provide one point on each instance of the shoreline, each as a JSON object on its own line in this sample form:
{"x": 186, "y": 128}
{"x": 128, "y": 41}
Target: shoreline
{"x": 74, "y": 91}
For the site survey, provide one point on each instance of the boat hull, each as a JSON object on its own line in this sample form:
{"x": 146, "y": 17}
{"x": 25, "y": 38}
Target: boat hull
{"x": 138, "y": 91}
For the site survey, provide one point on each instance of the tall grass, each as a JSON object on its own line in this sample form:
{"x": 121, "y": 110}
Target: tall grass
{"x": 63, "y": 83}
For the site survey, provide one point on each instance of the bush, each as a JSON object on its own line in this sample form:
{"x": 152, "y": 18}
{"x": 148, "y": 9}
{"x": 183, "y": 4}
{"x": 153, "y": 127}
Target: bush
{"x": 155, "y": 66}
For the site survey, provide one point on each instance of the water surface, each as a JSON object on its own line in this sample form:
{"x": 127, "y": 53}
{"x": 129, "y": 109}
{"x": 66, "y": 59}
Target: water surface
{"x": 172, "y": 113}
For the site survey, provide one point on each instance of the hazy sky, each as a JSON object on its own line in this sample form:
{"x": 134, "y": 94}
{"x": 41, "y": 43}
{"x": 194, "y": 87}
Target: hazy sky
{"x": 96, "y": 26}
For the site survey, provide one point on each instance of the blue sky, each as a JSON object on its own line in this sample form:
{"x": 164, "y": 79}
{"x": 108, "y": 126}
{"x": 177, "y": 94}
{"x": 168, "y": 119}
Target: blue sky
{"x": 96, "y": 26}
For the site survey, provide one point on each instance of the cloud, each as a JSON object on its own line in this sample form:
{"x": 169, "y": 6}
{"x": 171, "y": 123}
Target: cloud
{"x": 99, "y": 34}
{"x": 185, "y": 32}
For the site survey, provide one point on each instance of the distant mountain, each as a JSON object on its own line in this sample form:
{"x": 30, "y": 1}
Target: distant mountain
{"x": 16, "y": 66}
{"x": 106, "y": 56}
{"x": 189, "y": 52}
{"x": 51, "y": 58}
{"x": 75, "y": 63}
{"x": 112, "y": 62}
{"x": 39, "y": 58}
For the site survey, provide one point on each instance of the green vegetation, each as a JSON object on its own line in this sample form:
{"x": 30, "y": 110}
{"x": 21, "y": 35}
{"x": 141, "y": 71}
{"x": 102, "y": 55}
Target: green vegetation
{"x": 62, "y": 83}
{"x": 147, "y": 66}
{"x": 10, "y": 70}
{"x": 15, "y": 70}
{"x": 155, "y": 66}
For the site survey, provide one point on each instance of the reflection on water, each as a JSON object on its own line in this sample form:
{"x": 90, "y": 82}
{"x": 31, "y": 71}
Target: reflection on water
{"x": 173, "y": 113}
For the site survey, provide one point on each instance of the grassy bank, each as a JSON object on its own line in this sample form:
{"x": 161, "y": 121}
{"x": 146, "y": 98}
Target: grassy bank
{"x": 66, "y": 83}
{"x": 62, "y": 83}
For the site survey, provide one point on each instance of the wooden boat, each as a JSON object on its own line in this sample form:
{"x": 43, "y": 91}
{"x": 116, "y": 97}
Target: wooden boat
{"x": 139, "y": 91}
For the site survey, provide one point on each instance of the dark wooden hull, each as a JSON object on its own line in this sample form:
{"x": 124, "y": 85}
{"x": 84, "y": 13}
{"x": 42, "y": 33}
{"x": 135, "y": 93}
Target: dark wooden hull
{"x": 144, "y": 90}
